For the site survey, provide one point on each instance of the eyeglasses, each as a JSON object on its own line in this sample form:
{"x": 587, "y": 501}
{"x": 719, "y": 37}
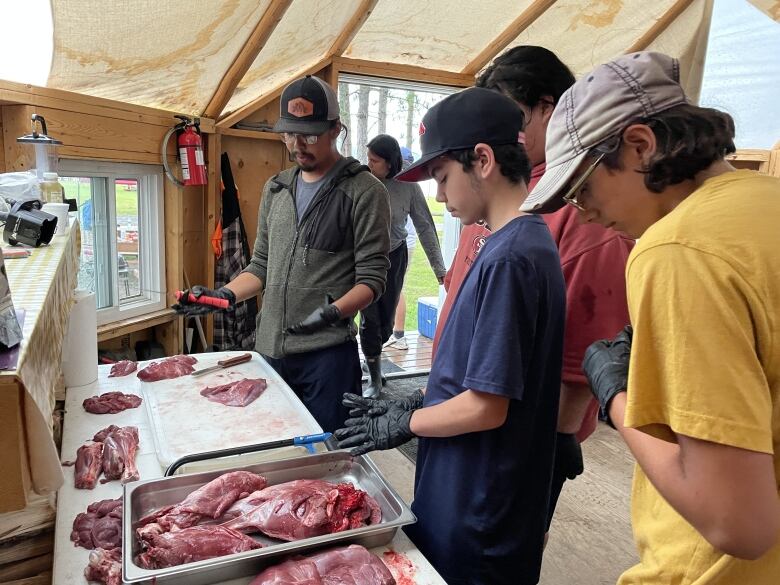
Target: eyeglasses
{"x": 571, "y": 194}
{"x": 290, "y": 137}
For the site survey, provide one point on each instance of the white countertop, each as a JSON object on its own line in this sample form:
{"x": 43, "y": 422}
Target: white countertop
{"x": 407, "y": 564}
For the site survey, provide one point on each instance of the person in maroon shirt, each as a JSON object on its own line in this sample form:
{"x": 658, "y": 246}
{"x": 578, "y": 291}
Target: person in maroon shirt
{"x": 593, "y": 259}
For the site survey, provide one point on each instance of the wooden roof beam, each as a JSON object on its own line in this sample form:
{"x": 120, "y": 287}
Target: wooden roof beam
{"x": 509, "y": 34}
{"x": 249, "y": 52}
{"x": 352, "y": 27}
{"x": 660, "y": 26}
{"x": 272, "y": 94}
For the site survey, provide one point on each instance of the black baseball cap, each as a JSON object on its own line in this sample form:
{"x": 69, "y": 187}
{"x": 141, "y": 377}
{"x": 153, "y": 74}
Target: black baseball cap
{"x": 463, "y": 120}
{"x": 308, "y": 106}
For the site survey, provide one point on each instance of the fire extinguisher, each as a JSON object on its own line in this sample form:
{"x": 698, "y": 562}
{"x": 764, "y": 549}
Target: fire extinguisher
{"x": 190, "y": 145}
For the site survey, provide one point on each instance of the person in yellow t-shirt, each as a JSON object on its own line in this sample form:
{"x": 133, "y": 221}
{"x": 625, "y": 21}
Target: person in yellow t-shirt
{"x": 694, "y": 387}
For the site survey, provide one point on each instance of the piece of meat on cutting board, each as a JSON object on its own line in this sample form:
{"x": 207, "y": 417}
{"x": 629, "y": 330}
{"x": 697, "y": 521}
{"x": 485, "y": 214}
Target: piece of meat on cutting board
{"x": 105, "y": 566}
{"x": 119, "y": 450}
{"x": 239, "y": 393}
{"x": 100, "y": 526}
{"x": 303, "y": 508}
{"x": 123, "y": 368}
{"x": 195, "y": 543}
{"x": 347, "y": 565}
{"x": 89, "y": 462}
{"x": 111, "y": 403}
{"x": 207, "y": 502}
{"x": 167, "y": 369}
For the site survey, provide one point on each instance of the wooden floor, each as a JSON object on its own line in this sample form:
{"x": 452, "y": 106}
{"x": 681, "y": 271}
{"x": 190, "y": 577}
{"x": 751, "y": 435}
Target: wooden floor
{"x": 590, "y": 539}
{"x": 415, "y": 360}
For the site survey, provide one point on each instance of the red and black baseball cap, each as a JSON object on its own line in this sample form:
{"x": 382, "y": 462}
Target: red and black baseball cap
{"x": 463, "y": 120}
{"x": 308, "y": 106}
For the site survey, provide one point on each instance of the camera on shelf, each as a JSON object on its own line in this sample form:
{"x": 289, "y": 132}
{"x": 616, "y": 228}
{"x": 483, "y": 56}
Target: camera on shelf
{"x": 25, "y": 223}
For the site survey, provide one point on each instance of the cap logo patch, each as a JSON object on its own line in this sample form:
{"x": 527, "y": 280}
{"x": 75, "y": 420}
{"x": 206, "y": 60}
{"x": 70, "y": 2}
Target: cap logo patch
{"x": 300, "y": 107}
{"x": 422, "y": 128}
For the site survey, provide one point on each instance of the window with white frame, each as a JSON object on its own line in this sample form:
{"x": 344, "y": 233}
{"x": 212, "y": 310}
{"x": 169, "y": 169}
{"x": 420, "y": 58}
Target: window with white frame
{"x": 122, "y": 235}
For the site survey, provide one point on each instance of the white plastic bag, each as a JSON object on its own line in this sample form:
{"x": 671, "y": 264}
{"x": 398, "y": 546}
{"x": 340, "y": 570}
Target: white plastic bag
{"x": 21, "y": 186}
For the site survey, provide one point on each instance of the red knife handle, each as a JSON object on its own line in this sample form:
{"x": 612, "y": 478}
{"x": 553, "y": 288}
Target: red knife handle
{"x": 234, "y": 361}
{"x": 204, "y": 300}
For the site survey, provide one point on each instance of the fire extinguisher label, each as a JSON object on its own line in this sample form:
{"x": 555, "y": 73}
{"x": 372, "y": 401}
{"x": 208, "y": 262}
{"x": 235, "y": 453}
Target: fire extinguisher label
{"x": 185, "y": 167}
{"x": 199, "y": 157}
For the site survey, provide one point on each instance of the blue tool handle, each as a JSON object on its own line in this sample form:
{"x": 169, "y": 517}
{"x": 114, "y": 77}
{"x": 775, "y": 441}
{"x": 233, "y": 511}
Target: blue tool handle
{"x": 307, "y": 439}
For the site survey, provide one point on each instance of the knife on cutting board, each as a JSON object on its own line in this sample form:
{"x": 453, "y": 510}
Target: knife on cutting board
{"x": 222, "y": 364}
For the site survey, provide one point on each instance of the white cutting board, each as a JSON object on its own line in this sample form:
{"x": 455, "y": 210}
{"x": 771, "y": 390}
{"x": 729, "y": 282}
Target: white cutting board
{"x": 184, "y": 422}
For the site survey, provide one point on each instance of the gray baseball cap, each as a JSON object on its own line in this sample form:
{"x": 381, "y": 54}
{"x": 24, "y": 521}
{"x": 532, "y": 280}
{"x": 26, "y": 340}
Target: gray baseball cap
{"x": 308, "y": 106}
{"x": 599, "y": 106}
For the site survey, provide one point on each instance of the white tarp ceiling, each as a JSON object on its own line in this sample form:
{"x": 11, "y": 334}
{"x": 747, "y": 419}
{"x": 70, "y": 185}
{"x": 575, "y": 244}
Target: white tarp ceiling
{"x": 174, "y": 54}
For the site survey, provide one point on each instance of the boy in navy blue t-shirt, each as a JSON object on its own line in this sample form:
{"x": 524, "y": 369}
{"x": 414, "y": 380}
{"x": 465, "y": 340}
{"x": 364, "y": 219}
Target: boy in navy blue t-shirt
{"x": 487, "y": 421}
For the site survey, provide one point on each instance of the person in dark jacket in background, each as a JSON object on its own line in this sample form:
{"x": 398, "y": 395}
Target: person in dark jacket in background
{"x": 406, "y": 200}
{"x": 320, "y": 256}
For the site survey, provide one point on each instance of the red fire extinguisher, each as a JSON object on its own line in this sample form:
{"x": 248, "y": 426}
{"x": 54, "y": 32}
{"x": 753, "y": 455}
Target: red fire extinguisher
{"x": 190, "y": 145}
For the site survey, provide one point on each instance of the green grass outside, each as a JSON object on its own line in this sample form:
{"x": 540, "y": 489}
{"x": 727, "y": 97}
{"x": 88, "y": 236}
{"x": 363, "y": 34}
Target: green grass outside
{"x": 420, "y": 280}
{"x": 126, "y": 200}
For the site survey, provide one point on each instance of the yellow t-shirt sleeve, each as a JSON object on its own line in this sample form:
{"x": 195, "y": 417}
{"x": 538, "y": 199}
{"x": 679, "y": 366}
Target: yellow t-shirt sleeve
{"x": 694, "y": 366}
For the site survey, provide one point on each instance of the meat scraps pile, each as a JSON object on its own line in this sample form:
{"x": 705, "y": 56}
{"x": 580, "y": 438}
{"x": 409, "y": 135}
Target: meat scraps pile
{"x": 100, "y": 529}
{"x": 111, "y": 403}
{"x": 112, "y": 451}
{"x": 241, "y": 504}
{"x": 348, "y": 565}
{"x": 167, "y": 369}
{"x": 241, "y": 393}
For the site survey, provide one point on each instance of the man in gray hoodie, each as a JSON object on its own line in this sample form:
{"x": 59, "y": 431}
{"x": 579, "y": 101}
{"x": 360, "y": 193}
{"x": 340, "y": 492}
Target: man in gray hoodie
{"x": 320, "y": 256}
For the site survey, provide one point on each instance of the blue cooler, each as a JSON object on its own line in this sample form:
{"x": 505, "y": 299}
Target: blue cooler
{"x": 427, "y": 315}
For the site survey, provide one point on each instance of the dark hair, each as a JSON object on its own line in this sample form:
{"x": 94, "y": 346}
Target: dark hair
{"x": 386, "y": 147}
{"x": 511, "y": 158}
{"x": 526, "y": 74}
{"x": 689, "y": 140}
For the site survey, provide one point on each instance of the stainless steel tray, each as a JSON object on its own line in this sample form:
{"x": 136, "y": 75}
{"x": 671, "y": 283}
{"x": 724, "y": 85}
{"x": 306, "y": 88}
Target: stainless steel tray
{"x": 142, "y": 497}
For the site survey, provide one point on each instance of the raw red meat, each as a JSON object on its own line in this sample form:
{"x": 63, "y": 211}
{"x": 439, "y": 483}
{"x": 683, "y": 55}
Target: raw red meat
{"x": 102, "y": 434}
{"x": 119, "y": 449}
{"x": 105, "y": 566}
{"x": 111, "y": 403}
{"x": 89, "y": 461}
{"x": 348, "y": 565}
{"x": 302, "y": 509}
{"x": 193, "y": 544}
{"x": 100, "y": 526}
{"x": 122, "y": 368}
{"x": 241, "y": 393}
{"x": 172, "y": 367}
{"x": 209, "y": 501}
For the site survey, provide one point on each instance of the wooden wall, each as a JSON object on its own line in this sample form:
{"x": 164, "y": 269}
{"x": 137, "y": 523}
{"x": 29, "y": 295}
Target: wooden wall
{"x": 98, "y": 129}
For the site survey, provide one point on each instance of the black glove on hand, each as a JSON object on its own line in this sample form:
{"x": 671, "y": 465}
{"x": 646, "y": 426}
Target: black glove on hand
{"x": 606, "y": 367}
{"x": 371, "y": 407}
{"x": 188, "y": 308}
{"x": 322, "y": 317}
{"x": 568, "y": 456}
{"x": 386, "y": 431}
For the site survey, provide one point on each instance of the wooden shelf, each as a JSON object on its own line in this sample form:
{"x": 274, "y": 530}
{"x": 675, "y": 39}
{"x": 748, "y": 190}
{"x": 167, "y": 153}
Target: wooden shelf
{"x": 256, "y": 134}
{"x": 120, "y": 328}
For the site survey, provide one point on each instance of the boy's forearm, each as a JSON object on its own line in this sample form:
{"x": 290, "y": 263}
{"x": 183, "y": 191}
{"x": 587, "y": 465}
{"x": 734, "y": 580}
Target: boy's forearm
{"x": 468, "y": 412}
{"x": 734, "y": 506}
{"x": 356, "y": 299}
{"x": 575, "y": 399}
{"x": 246, "y": 285}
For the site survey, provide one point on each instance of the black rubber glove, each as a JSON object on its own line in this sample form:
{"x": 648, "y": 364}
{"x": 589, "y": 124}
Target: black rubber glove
{"x": 568, "y": 456}
{"x": 188, "y": 308}
{"x": 606, "y": 367}
{"x": 322, "y": 317}
{"x": 371, "y": 407}
{"x": 386, "y": 431}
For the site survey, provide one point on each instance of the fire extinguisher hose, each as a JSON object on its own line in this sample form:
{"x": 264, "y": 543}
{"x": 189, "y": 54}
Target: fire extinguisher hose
{"x": 168, "y": 173}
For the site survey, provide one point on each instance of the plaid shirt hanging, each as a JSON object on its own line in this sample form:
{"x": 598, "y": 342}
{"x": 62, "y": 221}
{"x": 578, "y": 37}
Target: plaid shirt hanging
{"x": 234, "y": 329}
